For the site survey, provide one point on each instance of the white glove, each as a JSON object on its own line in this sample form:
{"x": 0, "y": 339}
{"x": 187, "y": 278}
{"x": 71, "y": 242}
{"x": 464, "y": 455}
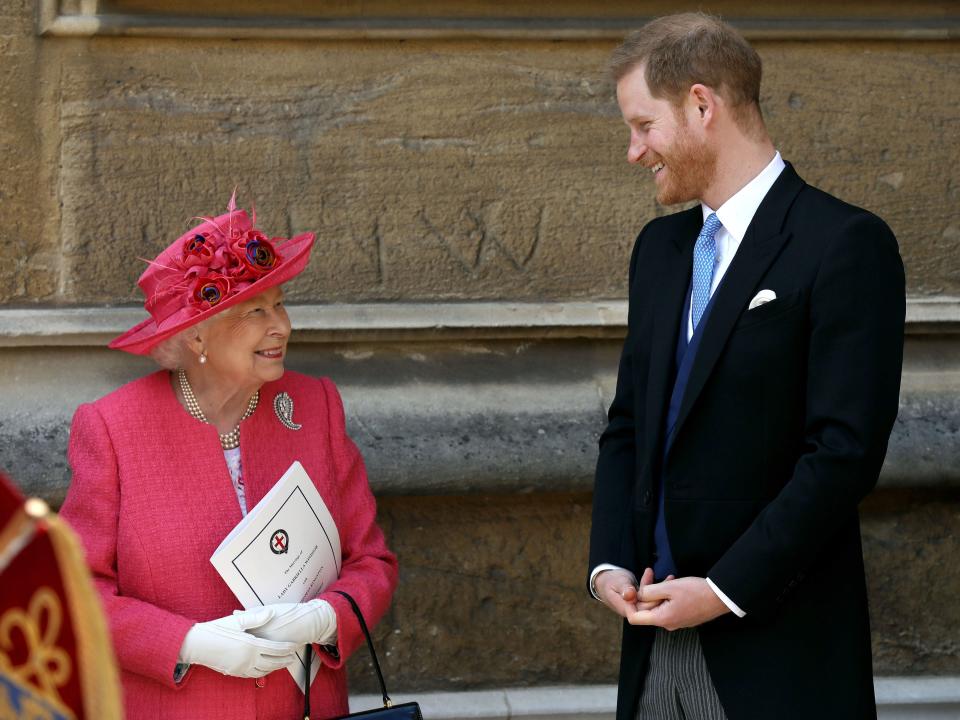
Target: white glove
{"x": 301, "y": 623}
{"x": 226, "y": 645}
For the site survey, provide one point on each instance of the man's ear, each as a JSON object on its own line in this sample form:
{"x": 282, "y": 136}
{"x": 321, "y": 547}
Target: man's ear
{"x": 704, "y": 103}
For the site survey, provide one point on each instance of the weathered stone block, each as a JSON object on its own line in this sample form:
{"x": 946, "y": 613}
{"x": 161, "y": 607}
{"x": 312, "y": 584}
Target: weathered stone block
{"x": 492, "y": 591}
{"x": 856, "y": 119}
{"x": 911, "y": 545}
{"x": 21, "y": 227}
{"x": 459, "y": 170}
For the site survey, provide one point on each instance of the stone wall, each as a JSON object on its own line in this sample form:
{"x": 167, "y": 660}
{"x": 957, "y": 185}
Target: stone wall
{"x": 430, "y": 169}
{"x": 462, "y": 173}
{"x": 492, "y": 591}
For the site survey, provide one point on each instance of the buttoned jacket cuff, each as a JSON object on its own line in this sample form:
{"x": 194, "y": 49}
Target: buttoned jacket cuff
{"x": 734, "y": 608}
{"x": 599, "y": 569}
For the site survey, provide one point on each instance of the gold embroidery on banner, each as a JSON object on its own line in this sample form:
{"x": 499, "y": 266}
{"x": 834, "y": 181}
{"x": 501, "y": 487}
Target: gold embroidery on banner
{"x": 48, "y": 666}
{"x": 30, "y": 708}
{"x": 100, "y": 685}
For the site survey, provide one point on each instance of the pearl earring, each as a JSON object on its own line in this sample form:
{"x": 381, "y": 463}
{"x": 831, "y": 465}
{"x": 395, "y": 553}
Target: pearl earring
{"x": 203, "y": 358}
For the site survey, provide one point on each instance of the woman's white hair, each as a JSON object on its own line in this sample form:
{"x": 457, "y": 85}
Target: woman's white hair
{"x": 173, "y": 353}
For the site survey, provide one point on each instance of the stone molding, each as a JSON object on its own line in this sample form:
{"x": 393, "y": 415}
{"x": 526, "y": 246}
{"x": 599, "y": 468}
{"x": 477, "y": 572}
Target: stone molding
{"x": 393, "y": 322}
{"x": 898, "y": 698}
{"x": 446, "y": 398}
{"x": 83, "y": 18}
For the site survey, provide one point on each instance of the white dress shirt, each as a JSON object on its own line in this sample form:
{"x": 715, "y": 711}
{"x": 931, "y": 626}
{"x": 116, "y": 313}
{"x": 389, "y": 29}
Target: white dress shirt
{"x": 735, "y": 215}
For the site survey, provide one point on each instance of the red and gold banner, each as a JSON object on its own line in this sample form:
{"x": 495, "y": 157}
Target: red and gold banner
{"x": 56, "y": 660}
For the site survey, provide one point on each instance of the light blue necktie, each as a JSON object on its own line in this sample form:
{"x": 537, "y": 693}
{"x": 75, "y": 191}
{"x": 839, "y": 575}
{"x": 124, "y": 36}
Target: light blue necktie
{"x": 704, "y": 263}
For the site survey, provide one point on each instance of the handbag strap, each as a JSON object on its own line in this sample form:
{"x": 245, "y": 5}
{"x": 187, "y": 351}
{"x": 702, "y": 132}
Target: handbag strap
{"x": 373, "y": 653}
{"x": 306, "y": 683}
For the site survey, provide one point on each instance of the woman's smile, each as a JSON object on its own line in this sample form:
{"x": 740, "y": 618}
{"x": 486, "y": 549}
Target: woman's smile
{"x": 274, "y": 353}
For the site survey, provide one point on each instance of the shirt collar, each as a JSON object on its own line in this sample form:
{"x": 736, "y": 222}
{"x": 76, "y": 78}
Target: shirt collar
{"x": 737, "y": 212}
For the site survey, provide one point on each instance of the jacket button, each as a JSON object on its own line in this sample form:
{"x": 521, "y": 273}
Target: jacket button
{"x": 261, "y": 682}
{"x": 646, "y": 498}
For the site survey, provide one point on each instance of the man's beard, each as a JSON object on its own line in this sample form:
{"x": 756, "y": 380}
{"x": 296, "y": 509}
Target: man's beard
{"x": 690, "y": 166}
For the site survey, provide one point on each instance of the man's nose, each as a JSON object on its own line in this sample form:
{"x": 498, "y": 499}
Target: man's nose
{"x": 636, "y": 149}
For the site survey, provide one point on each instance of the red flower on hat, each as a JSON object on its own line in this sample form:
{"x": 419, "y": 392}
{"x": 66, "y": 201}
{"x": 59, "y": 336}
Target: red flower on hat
{"x": 209, "y": 290}
{"x": 198, "y": 252}
{"x": 260, "y": 256}
{"x": 255, "y": 252}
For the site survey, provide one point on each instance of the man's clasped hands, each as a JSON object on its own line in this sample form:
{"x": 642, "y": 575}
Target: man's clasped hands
{"x": 672, "y": 604}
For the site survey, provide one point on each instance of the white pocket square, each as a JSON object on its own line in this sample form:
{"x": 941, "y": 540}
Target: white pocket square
{"x": 764, "y": 296}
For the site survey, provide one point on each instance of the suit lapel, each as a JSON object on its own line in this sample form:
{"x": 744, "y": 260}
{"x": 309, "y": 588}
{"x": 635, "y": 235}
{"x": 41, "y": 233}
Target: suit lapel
{"x": 671, "y": 289}
{"x": 764, "y": 239}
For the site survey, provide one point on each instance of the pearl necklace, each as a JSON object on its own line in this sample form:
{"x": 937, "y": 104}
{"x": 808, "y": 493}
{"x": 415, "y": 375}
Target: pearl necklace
{"x": 230, "y": 440}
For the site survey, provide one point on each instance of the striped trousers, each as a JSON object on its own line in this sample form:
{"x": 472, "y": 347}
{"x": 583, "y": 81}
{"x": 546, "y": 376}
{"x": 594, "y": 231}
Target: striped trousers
{"x": 678, "y": 684}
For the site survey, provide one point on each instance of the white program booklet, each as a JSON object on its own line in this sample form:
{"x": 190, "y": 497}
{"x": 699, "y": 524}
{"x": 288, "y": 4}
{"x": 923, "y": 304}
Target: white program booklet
{"x": 286, "y": 550}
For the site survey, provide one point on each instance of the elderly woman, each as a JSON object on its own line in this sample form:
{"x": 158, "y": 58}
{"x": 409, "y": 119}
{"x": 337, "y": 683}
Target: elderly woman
{"x": 164, "y": 468}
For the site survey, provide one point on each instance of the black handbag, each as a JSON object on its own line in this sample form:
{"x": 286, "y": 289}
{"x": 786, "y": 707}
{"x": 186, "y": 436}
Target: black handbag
{"x": 389, "y": 711}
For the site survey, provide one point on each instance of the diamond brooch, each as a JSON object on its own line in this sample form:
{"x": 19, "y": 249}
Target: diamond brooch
{"x": 283, "y": 407}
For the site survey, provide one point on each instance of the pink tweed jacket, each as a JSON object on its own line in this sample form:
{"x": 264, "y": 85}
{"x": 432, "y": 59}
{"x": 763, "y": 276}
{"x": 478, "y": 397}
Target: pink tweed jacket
{"x": 151, "y": 499}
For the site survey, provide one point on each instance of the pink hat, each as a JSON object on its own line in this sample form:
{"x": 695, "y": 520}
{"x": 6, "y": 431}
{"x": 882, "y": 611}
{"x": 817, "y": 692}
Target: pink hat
{"x": 219, "y": 263}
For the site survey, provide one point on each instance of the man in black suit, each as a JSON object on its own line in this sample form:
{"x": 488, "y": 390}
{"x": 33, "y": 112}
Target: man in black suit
{"x": 757, "y": 388}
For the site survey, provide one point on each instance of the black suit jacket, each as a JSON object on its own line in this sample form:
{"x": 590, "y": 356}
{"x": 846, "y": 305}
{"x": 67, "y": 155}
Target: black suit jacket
{"x": 782, "y": 431}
